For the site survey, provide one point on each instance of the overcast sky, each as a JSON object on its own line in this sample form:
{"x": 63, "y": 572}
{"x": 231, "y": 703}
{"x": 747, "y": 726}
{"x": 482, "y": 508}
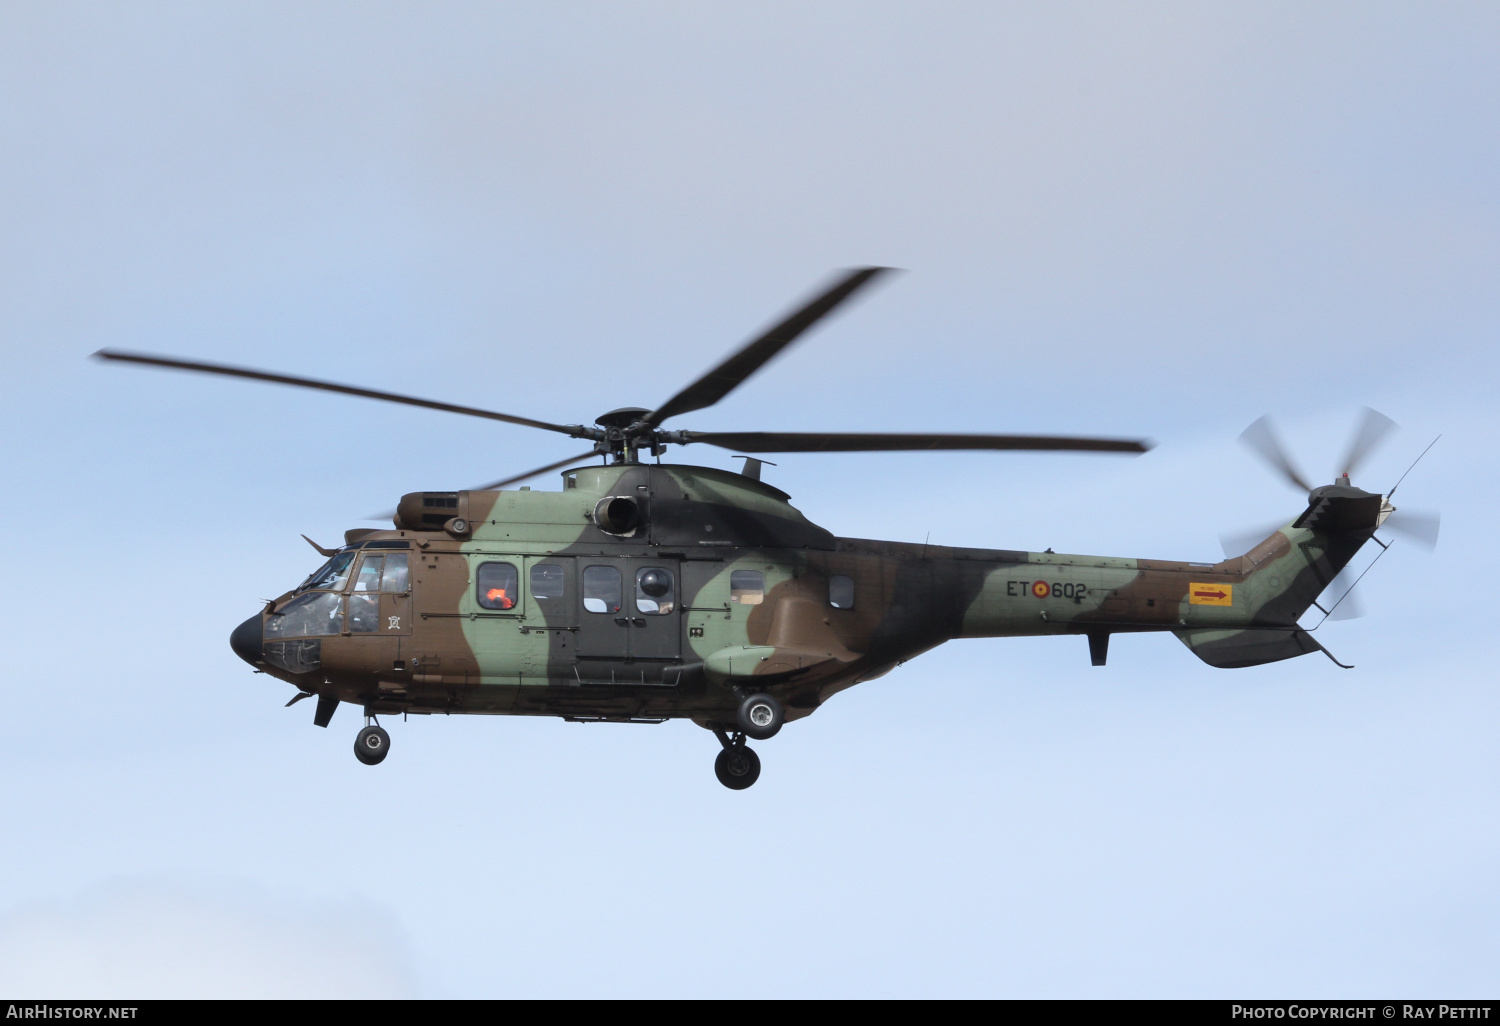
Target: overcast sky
{"x": 1155, "y": 220}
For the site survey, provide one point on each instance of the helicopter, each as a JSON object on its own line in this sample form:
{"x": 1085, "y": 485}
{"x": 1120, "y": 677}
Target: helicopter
{"x": 642, "y": 592}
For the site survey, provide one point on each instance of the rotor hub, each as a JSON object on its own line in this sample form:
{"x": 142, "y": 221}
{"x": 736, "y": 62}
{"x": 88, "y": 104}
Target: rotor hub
{"x": 621, "y": 418}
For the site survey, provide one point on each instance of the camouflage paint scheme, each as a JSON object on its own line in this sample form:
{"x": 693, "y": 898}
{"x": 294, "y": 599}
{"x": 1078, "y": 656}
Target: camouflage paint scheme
{"x": 439, "y": 651}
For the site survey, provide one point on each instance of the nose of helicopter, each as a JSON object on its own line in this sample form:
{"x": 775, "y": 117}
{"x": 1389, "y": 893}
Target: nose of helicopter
{"x": 246, "y": 641}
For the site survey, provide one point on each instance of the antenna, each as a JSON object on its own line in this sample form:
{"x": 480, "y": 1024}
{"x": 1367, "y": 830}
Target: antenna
{"x": 1412, "y": 467}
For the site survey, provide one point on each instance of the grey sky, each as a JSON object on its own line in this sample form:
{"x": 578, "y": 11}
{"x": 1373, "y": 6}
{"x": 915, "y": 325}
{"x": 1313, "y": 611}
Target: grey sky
{"x": 1157, "y": 220}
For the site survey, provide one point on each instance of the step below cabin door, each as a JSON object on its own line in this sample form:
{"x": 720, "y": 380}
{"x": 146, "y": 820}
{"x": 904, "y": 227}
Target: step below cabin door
{"x": 630, "y": 620}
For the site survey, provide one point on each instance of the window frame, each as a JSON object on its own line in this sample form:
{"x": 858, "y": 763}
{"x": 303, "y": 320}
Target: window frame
{"x": 562, "y": 577}
{"x": 350, "y": 554}
{"x": 832, "y": 578}
{"x": 515, "y": 587}
{"x": 760, "y": 591}
{"x": 671, "y": 595}
{"x": 308, "y": 598}
{"x": 364, "y": 559}
{"x": 370, "y": 597}
{"x": 583, "y": 589}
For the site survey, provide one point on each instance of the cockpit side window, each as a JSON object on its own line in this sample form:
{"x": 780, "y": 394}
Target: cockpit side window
{"x": 332, "y": 575}
{"x": 386, "y": 572}
{"x": 397, "y": 574}
{"x": 364, "y": 613}
{"x": 369, "y": 574}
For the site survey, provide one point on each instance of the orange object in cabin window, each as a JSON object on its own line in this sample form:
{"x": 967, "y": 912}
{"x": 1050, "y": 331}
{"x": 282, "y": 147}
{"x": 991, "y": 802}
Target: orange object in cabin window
{"x": 498, "y": 596}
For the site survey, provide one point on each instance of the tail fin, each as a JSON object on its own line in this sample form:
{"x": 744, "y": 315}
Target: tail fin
{"x": 1285, "y": 574}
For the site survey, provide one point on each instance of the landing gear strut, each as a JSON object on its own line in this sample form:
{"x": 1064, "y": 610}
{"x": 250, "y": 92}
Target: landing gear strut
{"x": 737, "y": 766}
{"x": 372, "y": 743}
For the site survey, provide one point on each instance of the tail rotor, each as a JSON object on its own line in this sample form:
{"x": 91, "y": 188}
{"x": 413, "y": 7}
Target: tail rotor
{"x": 1373, "y": 429}
{"x": 1416, "y": 525}
{"x": 1261, "y": 437}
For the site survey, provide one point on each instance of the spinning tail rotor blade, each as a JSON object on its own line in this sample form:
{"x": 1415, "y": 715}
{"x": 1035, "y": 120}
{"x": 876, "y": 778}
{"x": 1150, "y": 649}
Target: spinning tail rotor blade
{"x": 1343, "y": 602}
{"x": 1351, "y": 608}
{"x": 1421, "y": 527}
{"x": 756, "y": 353}
{"x": 1262, "y": 438}
{"x": 1372, "y": 431}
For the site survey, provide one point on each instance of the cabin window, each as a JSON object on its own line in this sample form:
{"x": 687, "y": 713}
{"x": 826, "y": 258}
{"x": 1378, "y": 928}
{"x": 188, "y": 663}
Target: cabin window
{"x": 547, "y": 582}
{"x": 747, "y": 587}
{"x": 498, "y": 585}
{"x": 841, "y": 592}
{"x": 314, "y": 615}
{"x": 655, "y": 593}
{"x": 386, "y": 572}
{"x": 331, "y": 575}
{"x": 601, "y": 589}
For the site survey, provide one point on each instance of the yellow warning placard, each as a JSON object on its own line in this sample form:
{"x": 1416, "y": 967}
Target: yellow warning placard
{"x": 1210, "y": 594}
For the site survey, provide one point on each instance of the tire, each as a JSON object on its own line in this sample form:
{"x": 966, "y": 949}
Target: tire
{"x": 737, "y": 768}
{"x": 371, "y": 745}
{"x": 760, "y": 717}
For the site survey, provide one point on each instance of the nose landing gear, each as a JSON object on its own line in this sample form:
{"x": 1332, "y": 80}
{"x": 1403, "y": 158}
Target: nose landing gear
{"x": 372, "y": 743}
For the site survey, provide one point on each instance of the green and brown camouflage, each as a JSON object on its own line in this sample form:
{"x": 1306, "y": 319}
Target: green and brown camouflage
{"x": 757, "y": 598}
{"x": 642, "y": 593}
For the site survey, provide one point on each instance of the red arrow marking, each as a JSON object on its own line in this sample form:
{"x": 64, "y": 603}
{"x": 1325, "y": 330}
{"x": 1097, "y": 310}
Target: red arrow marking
{"x": 1209, "y": 594}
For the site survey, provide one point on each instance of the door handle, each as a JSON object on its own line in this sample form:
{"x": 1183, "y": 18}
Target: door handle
{"x": 640, "y": 621}
{"x": 623, "y": 621}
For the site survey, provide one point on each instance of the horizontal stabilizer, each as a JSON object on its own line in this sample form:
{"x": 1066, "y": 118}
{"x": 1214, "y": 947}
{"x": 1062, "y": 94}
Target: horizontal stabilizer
{"x": 1233, "y": 649}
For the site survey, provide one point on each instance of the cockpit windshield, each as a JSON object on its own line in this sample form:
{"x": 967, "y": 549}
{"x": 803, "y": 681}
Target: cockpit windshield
{"x": 331, "y": 576}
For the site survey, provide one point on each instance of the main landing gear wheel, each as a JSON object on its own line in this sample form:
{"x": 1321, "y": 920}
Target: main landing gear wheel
{"x": 371, "y": 745}
{"x": 737, "y": 767}
{"x": 760, "y": 717}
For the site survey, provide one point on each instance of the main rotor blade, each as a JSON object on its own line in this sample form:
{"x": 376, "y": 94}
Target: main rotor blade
{"x": 533, "y": 473}
{"x": 326, "y": 386}
{"x": 754, "y": 355}
{"x": 1260, "y": 437}
{"x": 1420, "y": 527}
{"x": 1237, "y": 543}
{"x": 1372, "y": 430}
{"x": 781, "y": 441}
